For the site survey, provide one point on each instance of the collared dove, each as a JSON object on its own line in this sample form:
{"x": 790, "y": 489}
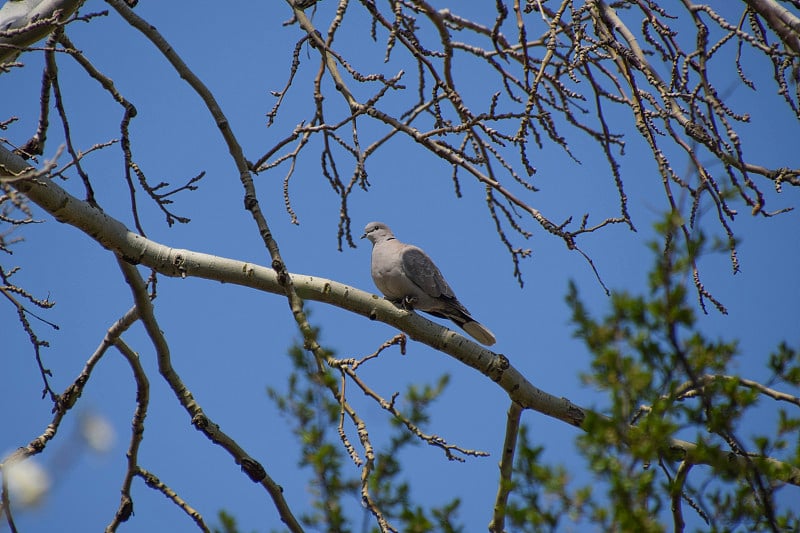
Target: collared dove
{"x": 406, "y": 275}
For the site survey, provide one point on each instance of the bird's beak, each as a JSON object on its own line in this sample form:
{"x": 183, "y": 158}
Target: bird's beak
{"x": 364, "y": 236}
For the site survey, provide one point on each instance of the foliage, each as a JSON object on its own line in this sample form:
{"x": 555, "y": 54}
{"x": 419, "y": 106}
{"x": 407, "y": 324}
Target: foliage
{"x": 663, "y": 379}
{"x": 227, "y": 523}
{"x": 314, "y": 416}
{"x": 663, "y": 375}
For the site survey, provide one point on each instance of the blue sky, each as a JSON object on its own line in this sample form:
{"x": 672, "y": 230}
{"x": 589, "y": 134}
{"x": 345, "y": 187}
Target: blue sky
{"x": 229, "y": 343}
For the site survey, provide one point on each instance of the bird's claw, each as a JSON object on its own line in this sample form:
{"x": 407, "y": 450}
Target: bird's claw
{"x": 406, "y": 302}
{"x": 409, "y": 302}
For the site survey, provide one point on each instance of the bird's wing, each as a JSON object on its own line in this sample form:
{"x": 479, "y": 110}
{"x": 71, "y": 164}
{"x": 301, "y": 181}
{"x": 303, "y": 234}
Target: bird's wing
{"x": 419, "y": 268}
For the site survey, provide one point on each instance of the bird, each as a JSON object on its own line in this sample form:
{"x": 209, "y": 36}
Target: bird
{"x": 408, "y": 277}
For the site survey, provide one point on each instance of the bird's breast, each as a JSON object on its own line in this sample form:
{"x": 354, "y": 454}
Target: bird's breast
{"x": 390, "y": 280}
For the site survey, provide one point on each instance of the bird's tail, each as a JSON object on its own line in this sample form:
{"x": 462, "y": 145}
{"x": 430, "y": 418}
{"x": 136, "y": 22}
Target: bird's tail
{"x": 460, "y": 316}
{"x": 479, "y": 332}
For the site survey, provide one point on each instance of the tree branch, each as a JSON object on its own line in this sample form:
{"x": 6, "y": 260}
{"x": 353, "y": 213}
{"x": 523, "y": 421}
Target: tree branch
{"x": 254, "y": 470}
{"x": 114, "y": 236}
{"x": 782, "y": 21}
{"x": 497, "y": 524}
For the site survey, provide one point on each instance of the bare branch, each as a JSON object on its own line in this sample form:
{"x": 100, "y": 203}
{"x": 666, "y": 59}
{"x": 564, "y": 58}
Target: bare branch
{"x": 254, "y": 470}
{"x": 497, "y": 524}
{"x": 113, "y": 235}
{"x": 152, "y": 481}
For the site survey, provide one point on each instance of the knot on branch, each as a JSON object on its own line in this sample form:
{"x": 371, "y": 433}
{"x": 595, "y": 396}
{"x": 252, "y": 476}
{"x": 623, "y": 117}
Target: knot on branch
{"x": 280, "y": 270}
{"x": 200, "y": 422}
{"x": 125, "y": 510}
{"x": 575, "y": 414}
{"x": 497, "y": 366}
{"x": 253, "y": 469}
{"x": 250, "y": 202}
{"x": 303, "y": 4}
{"x": 180, "y": 264}
{"x": 697, "y": 132}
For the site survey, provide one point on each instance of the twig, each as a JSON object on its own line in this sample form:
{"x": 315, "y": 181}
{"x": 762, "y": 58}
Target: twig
{"x": 152, "y": 481}
{"x": 137, "y": 433}
{"x": 69, "y": 397}
{"x": 5, "y": 501}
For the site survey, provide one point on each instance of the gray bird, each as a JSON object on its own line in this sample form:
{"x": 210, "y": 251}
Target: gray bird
{"x": 407, "y": 276}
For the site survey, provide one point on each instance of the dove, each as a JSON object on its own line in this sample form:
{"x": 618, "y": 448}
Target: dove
{"x": 408, "y": 277}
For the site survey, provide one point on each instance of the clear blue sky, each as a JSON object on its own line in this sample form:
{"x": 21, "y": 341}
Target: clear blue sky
{"x": 229, "y": 344}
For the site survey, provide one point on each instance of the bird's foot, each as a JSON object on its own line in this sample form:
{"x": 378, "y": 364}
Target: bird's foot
{"x": 409, "y": 302}
{"x": 406, "y": 302}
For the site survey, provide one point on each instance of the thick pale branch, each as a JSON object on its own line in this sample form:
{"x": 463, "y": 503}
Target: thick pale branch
{"x": 114, "y": 236}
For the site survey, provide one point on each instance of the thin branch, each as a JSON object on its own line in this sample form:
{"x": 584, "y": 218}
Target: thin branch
{"x": 348, "y": 368}
{"x": 125, "y": 509}
{"x": 676, "y": 492}
{"x": 497, "y": 524}
{"x": 5, "y": 501}
{"x": 199, "y": 419}
{"x": 152, "y": 481}
{"x": 69, "y": 397}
